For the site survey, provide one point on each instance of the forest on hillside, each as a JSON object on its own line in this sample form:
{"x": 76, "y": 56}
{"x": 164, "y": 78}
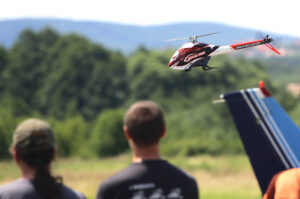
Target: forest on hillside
{"x": 83, "y": 90}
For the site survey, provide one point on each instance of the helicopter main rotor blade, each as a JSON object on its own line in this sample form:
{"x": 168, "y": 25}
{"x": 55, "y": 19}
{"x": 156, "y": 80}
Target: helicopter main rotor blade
{"x": 204, "y": 35}
{"x": 177, "y": 39}
{"x": 195, "y": 37}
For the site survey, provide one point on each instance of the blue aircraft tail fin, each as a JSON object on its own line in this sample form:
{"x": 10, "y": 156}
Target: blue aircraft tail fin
{"x": 270, "y": 137}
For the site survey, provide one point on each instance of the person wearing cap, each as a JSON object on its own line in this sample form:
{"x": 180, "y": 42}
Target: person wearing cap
{"x": 148, "y": 176}
{"x": 33, "y": 149}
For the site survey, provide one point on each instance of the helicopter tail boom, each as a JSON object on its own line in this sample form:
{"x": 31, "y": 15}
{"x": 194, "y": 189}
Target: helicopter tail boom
{"x": 247, "y": 44}
{"x": 266, "y": 41}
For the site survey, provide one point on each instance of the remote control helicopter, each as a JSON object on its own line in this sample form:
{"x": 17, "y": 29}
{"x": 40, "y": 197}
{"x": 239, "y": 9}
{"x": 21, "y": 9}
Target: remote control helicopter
{"x": 197, "y": 54}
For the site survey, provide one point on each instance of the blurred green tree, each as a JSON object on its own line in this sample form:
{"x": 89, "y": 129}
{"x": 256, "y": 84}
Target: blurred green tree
{"x": 107, "y": 137}
{"x": 3, "y": 58}
{"x": 8, "y": 123}
{"x": 3, "y": 63}
{"x": 24, "y": 72}
{"x": 82, "y": 78}
{"x": 71, "y": 136}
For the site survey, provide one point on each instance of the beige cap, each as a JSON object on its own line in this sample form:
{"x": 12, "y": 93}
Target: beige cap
{"x": 34, "y": 128}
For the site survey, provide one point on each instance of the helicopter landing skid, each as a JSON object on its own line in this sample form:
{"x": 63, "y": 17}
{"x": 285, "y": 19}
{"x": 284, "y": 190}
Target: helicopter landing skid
{"x": 207, "y": 67}
{"x": 204, "y": 67}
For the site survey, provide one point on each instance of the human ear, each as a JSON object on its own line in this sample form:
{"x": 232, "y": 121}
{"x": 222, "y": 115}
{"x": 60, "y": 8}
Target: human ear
{"x": 126, "y": 133}
{"x": 164, "y": 133}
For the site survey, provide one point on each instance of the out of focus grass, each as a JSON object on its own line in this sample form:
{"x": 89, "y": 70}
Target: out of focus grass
{"x": 218, "y": 177}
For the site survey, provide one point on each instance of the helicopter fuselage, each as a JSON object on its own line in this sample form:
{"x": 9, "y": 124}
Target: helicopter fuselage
{"x": 190, "y": 54}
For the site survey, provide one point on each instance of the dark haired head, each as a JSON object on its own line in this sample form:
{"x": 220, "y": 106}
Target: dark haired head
{"x": 34, "y": 152}
{"x": 145, "y": 123}
{"x": 33, "y": 143}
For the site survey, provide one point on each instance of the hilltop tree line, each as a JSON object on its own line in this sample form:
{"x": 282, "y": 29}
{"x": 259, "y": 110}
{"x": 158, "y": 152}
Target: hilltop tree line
{"x": 83, "y": 89}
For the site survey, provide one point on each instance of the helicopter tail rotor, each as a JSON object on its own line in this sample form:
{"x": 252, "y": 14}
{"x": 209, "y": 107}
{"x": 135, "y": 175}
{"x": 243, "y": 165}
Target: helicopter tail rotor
{"x": 267, "y": 41}
{"x": 276, "y": 42}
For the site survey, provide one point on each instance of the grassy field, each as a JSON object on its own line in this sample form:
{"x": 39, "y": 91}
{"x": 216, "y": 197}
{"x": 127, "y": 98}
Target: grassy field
{"x": 219, "y": 177}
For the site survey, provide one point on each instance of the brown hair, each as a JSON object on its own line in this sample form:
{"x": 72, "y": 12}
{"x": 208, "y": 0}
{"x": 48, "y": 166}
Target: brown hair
{"x": 145, "y": 122}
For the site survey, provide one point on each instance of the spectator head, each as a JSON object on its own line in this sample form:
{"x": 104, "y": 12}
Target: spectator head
{"x": 144, "y": 122}
{"x": 33, "y": 142}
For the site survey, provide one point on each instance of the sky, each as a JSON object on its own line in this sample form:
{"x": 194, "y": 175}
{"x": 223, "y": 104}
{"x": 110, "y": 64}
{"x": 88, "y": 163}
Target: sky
{"x": 280, "y": 17}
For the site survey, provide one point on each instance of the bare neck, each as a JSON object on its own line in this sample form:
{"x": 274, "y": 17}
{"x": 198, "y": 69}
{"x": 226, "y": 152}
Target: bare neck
{"x": 140, "y": 154}
{"x": 29, "y": 172}
{"x": 26, "y": 171}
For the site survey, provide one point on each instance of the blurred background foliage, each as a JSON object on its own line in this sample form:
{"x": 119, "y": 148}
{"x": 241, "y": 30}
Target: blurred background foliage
{"x": 83, "y": 90}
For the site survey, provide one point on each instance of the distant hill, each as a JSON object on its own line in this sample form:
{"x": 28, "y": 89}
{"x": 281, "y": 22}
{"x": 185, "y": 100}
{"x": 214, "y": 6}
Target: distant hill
{"x": 128, "y": 37}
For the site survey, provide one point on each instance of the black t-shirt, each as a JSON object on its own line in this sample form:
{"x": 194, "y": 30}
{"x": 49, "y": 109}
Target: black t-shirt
{"x": 152, "y": 179}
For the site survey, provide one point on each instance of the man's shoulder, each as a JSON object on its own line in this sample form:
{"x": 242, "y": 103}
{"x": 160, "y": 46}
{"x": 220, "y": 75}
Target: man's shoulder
{"x": 118, "y": 181}
{"x": 70, "y": 193}
{"x": 292, "y": 171}
{"x": 289, "y": 175}
{"x": 178, "y": 171}
{"x": 14, "y": 188}
{"x": 23, "y": 188}
{"x": 119, "y": 178}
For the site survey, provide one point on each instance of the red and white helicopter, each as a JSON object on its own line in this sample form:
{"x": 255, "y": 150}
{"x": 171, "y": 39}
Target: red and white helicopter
{"x": 195, "y": 54}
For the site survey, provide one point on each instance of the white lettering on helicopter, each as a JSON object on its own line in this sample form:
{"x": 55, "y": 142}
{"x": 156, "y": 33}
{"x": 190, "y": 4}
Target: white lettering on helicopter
{"x": 248, "y": 45}
{"x": 192, "y": 56}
